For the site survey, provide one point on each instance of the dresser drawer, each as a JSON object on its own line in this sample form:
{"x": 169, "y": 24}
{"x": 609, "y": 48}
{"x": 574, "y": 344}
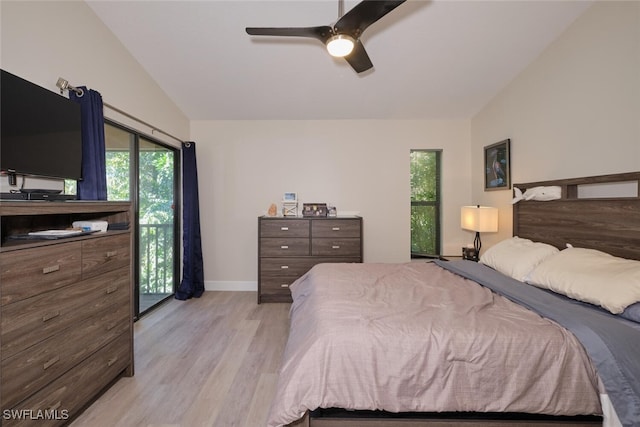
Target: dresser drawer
{"x": 35, "y": 319}
{"x": 276, "y": 289}
{"x": 25, "y": 273}
{"x": 71, "y": 391}
{"x": 277, "y": 285}
{"x": 105, "y": 254}
{"x": 284, "y": 228}
{"x": 285, "y": 267}
{"x": 275, "y": 247}
{"x": 42, "y": 363}
{"x": 336, "y": 228}
{"x": 288, "y": 268}
{"x": 274, "y": 284}
{"x": 347, "y": 247}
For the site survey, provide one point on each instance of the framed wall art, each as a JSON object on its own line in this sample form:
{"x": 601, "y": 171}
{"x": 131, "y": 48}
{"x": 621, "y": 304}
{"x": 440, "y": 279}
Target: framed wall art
{"x": 497, "y": 166}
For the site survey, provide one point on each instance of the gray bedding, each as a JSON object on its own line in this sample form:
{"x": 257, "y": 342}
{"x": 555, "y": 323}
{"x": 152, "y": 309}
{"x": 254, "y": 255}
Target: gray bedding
{"x": 416, "y": 337}
{"x": 612, "y": 343}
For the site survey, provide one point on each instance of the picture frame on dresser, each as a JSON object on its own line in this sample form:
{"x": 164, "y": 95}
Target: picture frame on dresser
{"x": 314, "y": 209}
{"x": 290, "y": 197}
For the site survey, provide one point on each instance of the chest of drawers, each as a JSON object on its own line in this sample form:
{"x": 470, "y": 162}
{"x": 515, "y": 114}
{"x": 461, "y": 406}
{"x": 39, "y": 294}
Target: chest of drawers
{"x": 289, "y": 247}
{"x": 66, "y": 324}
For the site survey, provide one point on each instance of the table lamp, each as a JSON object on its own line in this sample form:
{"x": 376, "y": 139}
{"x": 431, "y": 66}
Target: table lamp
{"x": 479, "y": 219}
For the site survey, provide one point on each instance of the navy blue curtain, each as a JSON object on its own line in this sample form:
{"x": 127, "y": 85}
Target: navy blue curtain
{"x": 192, "y": 284}
{"x": 93, "y": 185}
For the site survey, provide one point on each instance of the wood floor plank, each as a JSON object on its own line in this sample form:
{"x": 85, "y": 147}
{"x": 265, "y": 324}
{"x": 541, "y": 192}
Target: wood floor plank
{"x": 261, "y": 402}
{"x": 211, "y": 398}
{"x": 210, "y": 361}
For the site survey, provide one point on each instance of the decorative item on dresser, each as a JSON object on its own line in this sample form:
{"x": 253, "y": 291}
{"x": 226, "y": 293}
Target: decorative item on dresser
{"x": 289, "y": 204}
{"x": 289, "y": 247}
{"x": 314, "y": 209}
{"x": 66, "y": 313}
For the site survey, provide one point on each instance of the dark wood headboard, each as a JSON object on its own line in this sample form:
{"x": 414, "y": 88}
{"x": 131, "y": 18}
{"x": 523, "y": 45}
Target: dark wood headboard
{"x": 610, "y": 224}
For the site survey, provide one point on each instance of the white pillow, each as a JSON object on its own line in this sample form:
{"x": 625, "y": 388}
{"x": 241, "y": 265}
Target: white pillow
{"x": 517, "y": 257}
{"x": 591, "y": 276}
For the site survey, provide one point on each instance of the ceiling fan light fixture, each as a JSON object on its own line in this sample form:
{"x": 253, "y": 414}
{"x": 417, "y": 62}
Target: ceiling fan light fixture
{"x": 340, "y": 45}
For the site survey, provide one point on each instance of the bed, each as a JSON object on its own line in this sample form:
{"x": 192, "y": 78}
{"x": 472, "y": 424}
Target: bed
{"x": 463, "y": 343}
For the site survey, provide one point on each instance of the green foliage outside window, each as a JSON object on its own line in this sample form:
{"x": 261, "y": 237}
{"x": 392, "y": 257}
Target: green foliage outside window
{"x": 156, "y": 198}
{"x": 156, "y": 187}
{"x": 156, "y": 210}
{"x": 425, "y": 202}
{"x": 118, "y": 167}
{"x": 156, "y": 220}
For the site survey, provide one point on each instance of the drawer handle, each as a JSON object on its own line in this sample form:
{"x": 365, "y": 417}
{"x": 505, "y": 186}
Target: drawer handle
{"x": 335, "y": 247}
{"x": 50, "y": 316}
{"x": 111, "y": 254}
{"x": 284, "y": 247}
{"x": 284, "y": 267}
{"x": 284, "y": 285}
{"x": 55, "y": 406}
{"x": 111, "y": 289}
{"x": 284, "y": 228}
{"x": 336, "y": 228}
{"x": 51, "y": 269}
{"x": 112, "y": 361}
{"x": 50, "y": 363}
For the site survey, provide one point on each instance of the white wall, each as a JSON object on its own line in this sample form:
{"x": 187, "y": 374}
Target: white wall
{"x": 44, "y": 40}
{"x": 573, "y": 112}
{"x": 361, "y": 166}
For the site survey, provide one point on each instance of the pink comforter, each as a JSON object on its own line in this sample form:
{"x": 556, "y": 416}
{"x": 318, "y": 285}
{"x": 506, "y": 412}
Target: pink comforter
{"x": 415, "y": 337}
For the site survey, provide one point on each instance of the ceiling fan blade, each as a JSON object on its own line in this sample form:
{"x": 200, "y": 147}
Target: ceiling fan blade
{"x": 321, "y": 33}
{"x": 365, "y": 13}
{"x": 358, "y": 58}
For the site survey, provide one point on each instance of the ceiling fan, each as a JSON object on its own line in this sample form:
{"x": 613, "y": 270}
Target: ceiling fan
{"x": 343, "y": 38}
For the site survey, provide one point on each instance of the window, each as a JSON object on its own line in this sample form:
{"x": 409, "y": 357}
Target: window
{"x": 425, "y": 203}
{"x": 145, "y": 171}
{"x": 120, "y": 143}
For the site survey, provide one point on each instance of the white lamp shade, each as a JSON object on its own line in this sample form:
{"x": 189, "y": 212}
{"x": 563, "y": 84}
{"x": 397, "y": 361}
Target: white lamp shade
{"x": 479, "y": 218}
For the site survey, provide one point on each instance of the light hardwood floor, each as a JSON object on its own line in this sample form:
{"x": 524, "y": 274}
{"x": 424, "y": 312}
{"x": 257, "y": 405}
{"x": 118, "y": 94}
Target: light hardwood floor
{"x": 210, "y": 361}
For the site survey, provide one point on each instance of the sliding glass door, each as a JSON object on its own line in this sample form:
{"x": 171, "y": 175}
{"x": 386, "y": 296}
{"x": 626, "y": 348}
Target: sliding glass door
{"x": 145, "y": 172}
{"x": 156, "y": 222}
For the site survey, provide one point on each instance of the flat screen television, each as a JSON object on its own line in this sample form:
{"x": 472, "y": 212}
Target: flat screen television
{"x": 40, "y": 131}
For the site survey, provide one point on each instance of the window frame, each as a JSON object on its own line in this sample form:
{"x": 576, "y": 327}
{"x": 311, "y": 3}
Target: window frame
{"x": 436, "y": 204}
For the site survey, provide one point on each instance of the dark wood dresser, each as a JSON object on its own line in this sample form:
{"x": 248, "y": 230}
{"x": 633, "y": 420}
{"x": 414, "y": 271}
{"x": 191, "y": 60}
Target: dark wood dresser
{"x": 66, "y": 323}
{"x": 289, "y": 246}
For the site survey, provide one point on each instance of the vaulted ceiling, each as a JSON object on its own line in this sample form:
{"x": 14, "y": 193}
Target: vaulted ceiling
{"x": 440, "y": 59}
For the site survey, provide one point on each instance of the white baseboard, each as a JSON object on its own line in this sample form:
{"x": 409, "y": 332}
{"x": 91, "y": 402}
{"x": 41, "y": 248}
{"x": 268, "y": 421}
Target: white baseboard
{"x": 220, "y": 285}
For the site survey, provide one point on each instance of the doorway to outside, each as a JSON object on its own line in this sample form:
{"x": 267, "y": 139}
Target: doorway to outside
{"x": 145, "y": 172}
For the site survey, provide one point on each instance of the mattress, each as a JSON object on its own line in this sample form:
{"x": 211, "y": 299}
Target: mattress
{"x": 415, "y": 337}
